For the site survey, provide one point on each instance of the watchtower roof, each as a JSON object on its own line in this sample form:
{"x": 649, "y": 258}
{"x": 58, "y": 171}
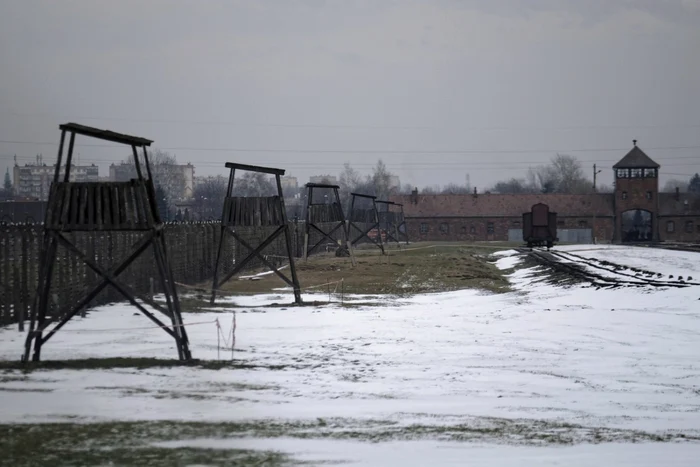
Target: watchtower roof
{"x": 105, "y": 134}
{"x": 636, "y": 159}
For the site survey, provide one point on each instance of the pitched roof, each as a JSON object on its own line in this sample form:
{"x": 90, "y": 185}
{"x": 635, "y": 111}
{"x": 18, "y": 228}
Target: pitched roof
{"x": 504, "y": 205}
{"x": 636, "y": 159}
{"x": 686, "y": 204}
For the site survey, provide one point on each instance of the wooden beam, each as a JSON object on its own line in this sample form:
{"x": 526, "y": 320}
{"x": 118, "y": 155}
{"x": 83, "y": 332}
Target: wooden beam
{"x": 105, "y": 135}
{"x": 255, "y": 168}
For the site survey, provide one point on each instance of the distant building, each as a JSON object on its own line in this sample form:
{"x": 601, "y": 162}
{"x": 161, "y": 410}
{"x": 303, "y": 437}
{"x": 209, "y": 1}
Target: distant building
{"x": 289, "y": 183}
{"x": 178, "y": 179}
{"x": 325, "y": 179}
{"x": 32, "y": 181}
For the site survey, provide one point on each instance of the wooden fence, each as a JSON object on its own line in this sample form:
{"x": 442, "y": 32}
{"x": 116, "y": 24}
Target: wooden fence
{"x": 191, "y": 247}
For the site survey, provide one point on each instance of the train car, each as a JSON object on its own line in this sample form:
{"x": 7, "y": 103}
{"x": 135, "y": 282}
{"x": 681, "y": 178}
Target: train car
{"x": 540, "y": 226}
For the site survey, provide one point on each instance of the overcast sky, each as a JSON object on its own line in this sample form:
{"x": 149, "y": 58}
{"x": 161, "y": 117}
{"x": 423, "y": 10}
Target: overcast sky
{"x": 437, "y": 89}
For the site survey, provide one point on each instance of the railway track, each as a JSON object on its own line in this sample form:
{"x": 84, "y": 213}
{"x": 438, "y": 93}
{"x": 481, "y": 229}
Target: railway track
{"x": 695, "y": 247}
{"x": 603, "y": 274}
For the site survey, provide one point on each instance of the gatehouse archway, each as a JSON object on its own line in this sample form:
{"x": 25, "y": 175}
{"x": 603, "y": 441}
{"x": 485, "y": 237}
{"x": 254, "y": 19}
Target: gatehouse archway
{"x": 637, "y": 226}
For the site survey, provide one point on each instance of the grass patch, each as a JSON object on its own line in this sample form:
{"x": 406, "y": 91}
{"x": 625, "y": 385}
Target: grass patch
{"x": 136, "y": 363}
{"x": 136, "y": 443}
{"x": 413, "y": 269}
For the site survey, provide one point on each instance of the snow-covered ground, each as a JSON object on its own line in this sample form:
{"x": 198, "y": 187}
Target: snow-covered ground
{"x": 666, "y": 262}
{"x": 514, "y": 369}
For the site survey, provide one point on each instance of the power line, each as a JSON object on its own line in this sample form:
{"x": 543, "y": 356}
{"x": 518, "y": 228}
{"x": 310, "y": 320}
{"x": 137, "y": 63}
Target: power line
{"x": 420, "y": 165}
{"x": 364, "y": 151}
{"x": 343, "y": 126}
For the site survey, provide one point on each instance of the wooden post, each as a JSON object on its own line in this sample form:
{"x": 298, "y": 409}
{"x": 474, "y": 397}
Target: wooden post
{"x": 18, "y": 298}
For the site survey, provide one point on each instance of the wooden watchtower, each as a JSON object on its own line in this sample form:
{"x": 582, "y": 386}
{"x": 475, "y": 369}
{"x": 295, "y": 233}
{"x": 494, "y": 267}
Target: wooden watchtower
{"x": 242, "y": 212}
{"x": 366, "y": 215}
{"x": 324, "y": 215}
{"x": 94, "y": 207}
{"x": 392, "y": 221}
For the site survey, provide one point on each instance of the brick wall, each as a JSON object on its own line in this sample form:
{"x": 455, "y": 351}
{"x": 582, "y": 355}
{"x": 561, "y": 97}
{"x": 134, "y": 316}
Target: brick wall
{"x": 682, "y": 230}
{"x": 477, "y": 228}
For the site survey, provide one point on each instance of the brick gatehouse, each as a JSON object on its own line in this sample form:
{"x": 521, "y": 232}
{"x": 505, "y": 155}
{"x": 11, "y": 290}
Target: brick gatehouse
{"x": 636, "y": 211}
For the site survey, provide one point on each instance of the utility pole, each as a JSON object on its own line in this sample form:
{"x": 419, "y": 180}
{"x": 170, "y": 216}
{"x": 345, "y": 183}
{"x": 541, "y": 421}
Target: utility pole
{"x": 595, "y": 176}
{"x": 595, "y": 190}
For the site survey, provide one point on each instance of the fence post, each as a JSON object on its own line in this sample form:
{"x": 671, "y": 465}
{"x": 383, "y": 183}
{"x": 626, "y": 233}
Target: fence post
{"x": 24, "y": 271}
{"x": 18, "y": 299}
{"x": 6, "y": 305}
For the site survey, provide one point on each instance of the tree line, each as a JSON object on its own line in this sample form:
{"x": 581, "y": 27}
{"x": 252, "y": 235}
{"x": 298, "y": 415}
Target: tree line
{"x": 563, "y": 174}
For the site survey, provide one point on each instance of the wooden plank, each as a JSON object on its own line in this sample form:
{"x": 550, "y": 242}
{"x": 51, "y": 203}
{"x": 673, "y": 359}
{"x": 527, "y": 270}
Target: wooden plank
{"x": 128, "y": 206}
{"x": 83, "y": 196}
{"x": 90, "y": 213}
{"x": 98, "y": 208}
{"x": 5, "y": 281}
{"x": 75, "y": 204}
{"x": 55, "y": 206}
{"x": 65, "y": 206}
{"x": 24, "y": 286}
{"x": 137, "y": 212}
{"x": 255, "y": 168}
{"x": 106, "y": 207}
{"x": 149, "y": 205}
{"x": 49, "y": 216}
{"x": 116, "y": 206}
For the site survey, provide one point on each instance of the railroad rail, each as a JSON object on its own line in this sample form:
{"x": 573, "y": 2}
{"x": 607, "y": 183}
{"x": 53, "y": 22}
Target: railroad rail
{"x": 603, "y": 274}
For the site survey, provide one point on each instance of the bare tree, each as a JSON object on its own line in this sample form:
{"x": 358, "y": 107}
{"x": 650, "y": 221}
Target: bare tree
{"x": 254, "y": 184}
{"x": 407, "y": 189}
{"x": 562, "y": 175}
{"x": 209, "y": 198}
{"x": 348, "y": 181}
{"x": 570, "y": 175}
{"x": 455, "y": 189}
{"x": 671, "y": 185}
{"x": 603, "y": 188}
{"x": 167, "y": 174}
{"x": 512, "y": 186}
{"x": 381, "y": 179}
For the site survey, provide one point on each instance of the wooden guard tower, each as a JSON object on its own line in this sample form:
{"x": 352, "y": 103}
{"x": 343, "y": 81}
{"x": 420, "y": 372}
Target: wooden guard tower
{"x": 392, "y": 221}
{"x": 367, "y": 216}
{"x": 323, "y": 214}
{"x": 263, "y": 211}
{"x": 98, "y": 207}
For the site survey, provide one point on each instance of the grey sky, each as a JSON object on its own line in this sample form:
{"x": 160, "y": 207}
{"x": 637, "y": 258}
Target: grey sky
{"x": 202, "y": 78}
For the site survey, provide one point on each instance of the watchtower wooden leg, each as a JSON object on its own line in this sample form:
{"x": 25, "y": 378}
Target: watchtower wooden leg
{"x": 215, "y": 283}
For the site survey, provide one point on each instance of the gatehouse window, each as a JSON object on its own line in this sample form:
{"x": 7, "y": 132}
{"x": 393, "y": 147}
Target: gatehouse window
{"x": 516, "y": 224}
{"x": 472, "y": 229}
{"x": 635, "y": 173}
{"x": 649, "y": 173}
{"x": 624, "y": 195}
{"x": 582, "y": 224}
{"x": 670, "y": 226}
{"x": 689, "y": 226}
{"x": 424, "y": 228}
{"x": 464, "y": 229}
{"x": 489, "y": 228}
{"x": 649, "y": 195}
{"x": 444, "y": 228}
{"x": 623, "y": 173}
